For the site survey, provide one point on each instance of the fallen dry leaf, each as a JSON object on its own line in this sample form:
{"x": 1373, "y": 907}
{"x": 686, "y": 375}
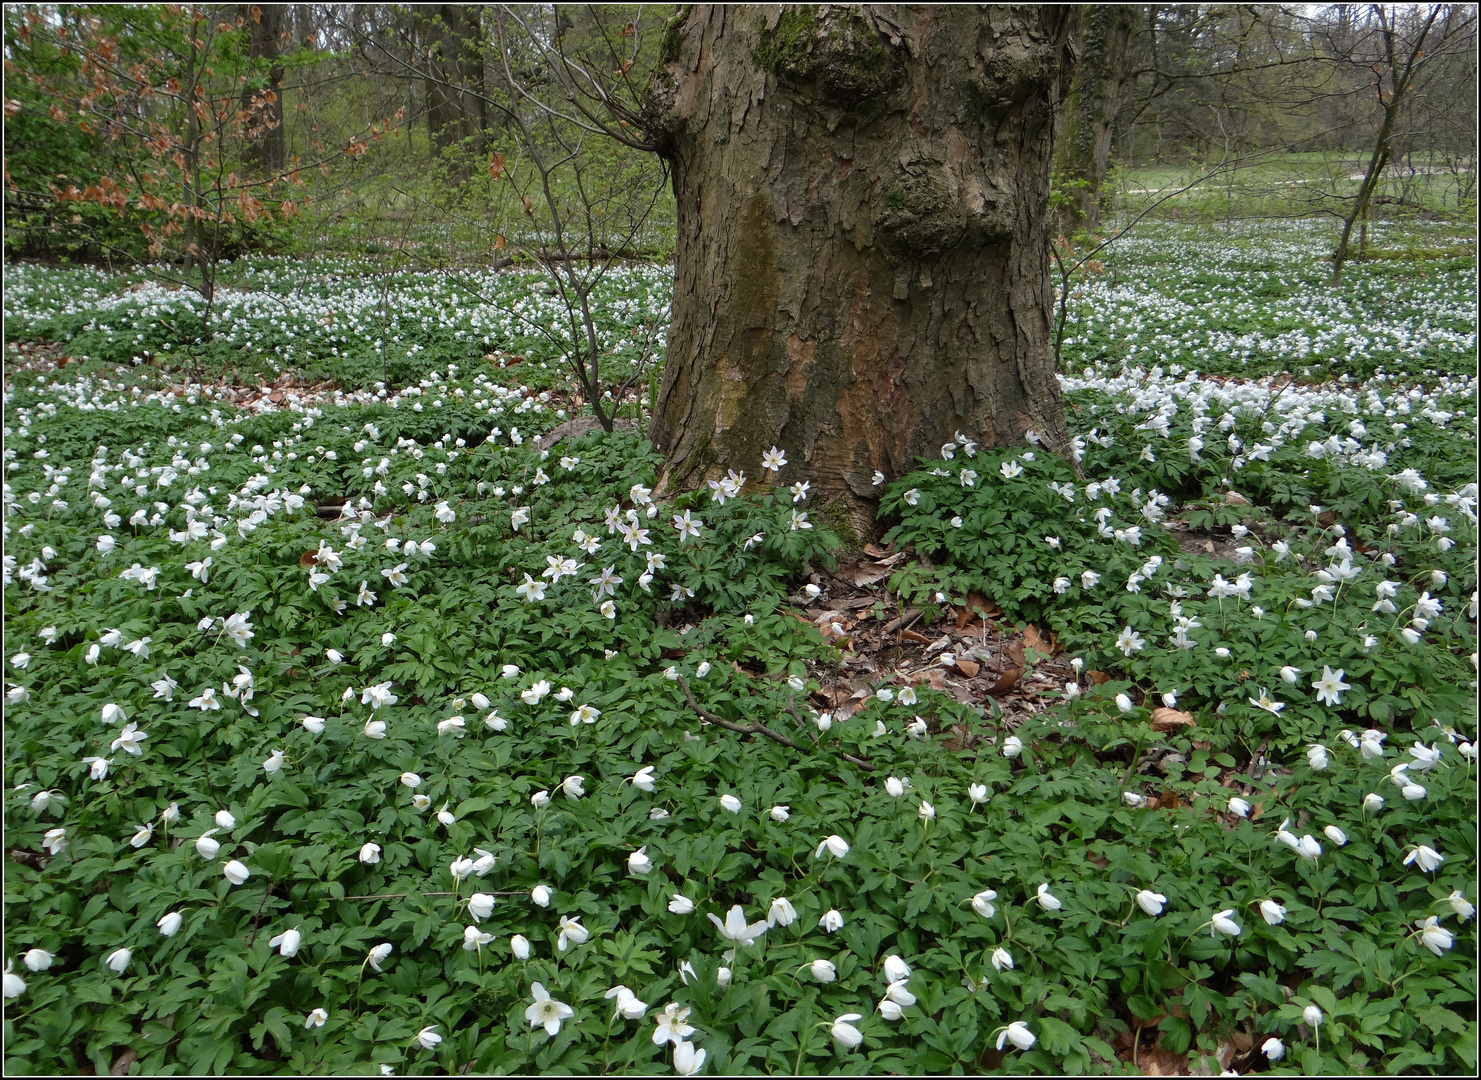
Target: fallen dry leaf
{"x": 959, "y": 739}
{"x": 834, "y": 625}
{"x": 1034, "y": 640}
{"x": 911, "y": 635}
{"x": 1006, "y": 681}
{"x": 865, "y": 574}
{"x": 1160, "y": 1062}
{"x": 983, "y": 606}
{"x": 1013, "y": 653}
{"x": 933, "y": 677}
{"x": 1165, "y": 720}
{"x": 961, "y": 692}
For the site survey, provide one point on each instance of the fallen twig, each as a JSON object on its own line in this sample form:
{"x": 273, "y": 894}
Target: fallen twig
{"x": 758, "y": 728}
{"x": 404, "y": 895}
{"x": 903, "y": 623}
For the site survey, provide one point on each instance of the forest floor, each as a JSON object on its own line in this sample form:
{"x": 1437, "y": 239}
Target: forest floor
{"x": 356, "y": 723}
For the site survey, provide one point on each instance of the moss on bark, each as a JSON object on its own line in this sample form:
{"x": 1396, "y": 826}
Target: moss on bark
{"x": 834, "y": 48}
{"x": 843, "y": 519}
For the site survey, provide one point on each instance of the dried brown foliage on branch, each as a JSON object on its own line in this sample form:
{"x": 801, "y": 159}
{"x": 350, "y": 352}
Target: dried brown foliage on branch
{"x": 182, "y": 106}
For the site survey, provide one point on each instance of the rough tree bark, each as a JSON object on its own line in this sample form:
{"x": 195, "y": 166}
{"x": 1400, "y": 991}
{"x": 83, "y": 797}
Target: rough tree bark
{"x": 266, "y": 23}
{"x": 863, "y": 230}
{"x": 1107, "y": 40}
{"x": 453, "y": 36}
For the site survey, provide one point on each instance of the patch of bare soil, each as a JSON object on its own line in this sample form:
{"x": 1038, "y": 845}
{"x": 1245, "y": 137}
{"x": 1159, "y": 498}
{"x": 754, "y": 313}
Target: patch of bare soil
{"x": 972, "y": 654}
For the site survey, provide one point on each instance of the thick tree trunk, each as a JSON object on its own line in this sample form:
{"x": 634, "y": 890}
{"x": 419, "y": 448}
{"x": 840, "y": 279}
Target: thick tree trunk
{"x": 452, "y": 34}
{"x": 1107, "y": 41}
{"x": 863, "y": 230}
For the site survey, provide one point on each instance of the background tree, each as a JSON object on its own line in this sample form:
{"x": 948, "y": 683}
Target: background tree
{"x": 166, "y": 93}
{"x": 181, "y": 107}
{"x": 262, "y": 97}
{"x": 1402, "y": 42}
{"x": 558, "y": 189}
{"x": 1109, "y": 39}
{"x": 452, "y": 39}
{"x": 862, "y": 234}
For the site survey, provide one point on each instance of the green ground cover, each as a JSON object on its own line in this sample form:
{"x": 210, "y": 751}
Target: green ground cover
{"x": 355, "y": 700}
{"x": 1288, "y": 186}
{"x": 364, "y": 324}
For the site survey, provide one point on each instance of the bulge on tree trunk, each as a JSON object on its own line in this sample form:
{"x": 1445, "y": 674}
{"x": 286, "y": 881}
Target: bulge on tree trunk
{"x": 862, "y": 248}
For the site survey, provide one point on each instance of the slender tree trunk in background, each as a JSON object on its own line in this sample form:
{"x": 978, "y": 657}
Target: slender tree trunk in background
{"x": 863, "y": 239}
{"x": 1108, "y": 40}
{"x": 1371, "y": 177}
{"x": 471, "y": 70}
{"x": 265, "y": 29}
{"x": 1401, "y": 71}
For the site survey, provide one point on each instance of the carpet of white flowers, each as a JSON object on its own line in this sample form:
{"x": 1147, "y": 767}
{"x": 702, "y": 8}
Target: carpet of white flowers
{"x": 1251, "y": 299}
{"x": 346, "y": 731}
{"x": 366, "y": 327}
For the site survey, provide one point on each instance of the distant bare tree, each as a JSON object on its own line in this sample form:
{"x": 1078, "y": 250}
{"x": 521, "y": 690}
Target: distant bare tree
{"x": 581, "y": 187}
{"x": 1404, "y": 41}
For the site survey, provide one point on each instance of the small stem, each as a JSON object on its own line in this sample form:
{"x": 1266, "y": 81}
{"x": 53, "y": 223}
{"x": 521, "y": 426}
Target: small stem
{"x": 758, "y": 728}
{"x": 1130, "y": 912}
{"x": 804, "y": 1035}
{"x": 606, "y": 1040}
{"x": 207, "y": 763}
{"x": 1135, "y": 757}
{"x": 257, "y": 917}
